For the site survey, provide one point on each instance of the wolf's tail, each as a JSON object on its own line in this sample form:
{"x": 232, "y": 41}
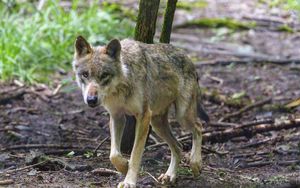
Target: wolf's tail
{"x": 200, "y": 110}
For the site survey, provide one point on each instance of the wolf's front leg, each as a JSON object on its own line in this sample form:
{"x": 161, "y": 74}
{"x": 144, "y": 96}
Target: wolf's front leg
{"x": 142, "y": 128}
{"x": 116, "y": 125}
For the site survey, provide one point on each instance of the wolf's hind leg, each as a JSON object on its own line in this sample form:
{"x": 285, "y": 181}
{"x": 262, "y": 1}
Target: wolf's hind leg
{"x": 186, "y": 114}
{"x": 195, "y": 158}
{"x": 116, "y": 125}
{"x": 161, "y": 127}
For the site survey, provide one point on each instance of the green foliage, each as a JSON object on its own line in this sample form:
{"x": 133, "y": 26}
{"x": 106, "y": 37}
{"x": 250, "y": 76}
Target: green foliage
{"x": 35, "y": 44}
{"x": 221, "y": 22}
{"x": 184, "y": 171}
{"x": 293, "y": 5}
{"x": 119, "y": 10}
{"x": 191, "y": 5}
{"x": 71, "y": 154}
{"x": 285, "y": 28}
{"x": 88, "y": 154}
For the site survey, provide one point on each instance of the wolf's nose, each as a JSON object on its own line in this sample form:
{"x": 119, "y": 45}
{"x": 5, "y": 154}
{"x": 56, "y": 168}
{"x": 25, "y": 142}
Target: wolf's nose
{"x": 92, "y": 100}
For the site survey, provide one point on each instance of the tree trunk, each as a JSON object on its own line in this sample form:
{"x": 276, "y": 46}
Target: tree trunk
{"x": 146, "y": 21}
{"x": 144, "y": 32}
{"x": 168, "y": 21}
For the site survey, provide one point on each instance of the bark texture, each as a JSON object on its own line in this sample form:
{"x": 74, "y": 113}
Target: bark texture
{"x": 146, "y": 22}
{"x": 168, "y": 21}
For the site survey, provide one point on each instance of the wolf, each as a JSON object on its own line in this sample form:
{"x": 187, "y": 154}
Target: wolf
{"x": 128, "y": 77}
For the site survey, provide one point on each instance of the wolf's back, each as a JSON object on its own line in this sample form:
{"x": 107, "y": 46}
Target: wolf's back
{"x": 160, "y": 55}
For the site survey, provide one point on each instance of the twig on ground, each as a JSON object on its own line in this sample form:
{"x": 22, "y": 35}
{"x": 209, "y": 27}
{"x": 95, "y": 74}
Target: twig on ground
{"x": 56, "y": 90}
{"x": 265, "y": 163}
{"x": 37, "y": 146}
{"x": 246, "y": 61}
{"x": 215, "y": 151}
{"x": 66, "y": 151}
{"x": 223, "y": 124}
{"x": 105, "y": 172}
{"x": 6, "y": 129}
{"x": 156, "y": 180}
{"x": 24, "y": 168}
{"x": 183, "y": 139}
{"x": 214, "y": 78}
{"x": 245, "y": 155}
{"x": 152, "y": 137}
{"x": 6, "y": 182}
{"x": 100, "y": 144}
{"x": 258, "y": 143}
{"x": 246, "y": 108}
{"x": 257, "y": 122}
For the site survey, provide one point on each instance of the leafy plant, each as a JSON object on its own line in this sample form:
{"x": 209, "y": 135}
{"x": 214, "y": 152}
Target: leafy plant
{"x": 88, "y": 154}
{"x": 35, "y": 44}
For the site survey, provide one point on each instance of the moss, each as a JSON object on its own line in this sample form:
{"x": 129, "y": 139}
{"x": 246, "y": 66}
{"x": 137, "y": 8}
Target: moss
{"x": 237, "y": 102}
{"x": 191, "y": 5}
{"x": 229, "y": 101}
{"x": 285, "y": 28}
{"x": 220, "y": 22}
{"x": 278, "y": 108}
{"x": 184, "y": 171}
{"x": 120, "y": 10}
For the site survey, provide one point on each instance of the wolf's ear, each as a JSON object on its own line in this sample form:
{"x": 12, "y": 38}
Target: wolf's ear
{"x": 113, "y": 48}
{"x": 82, "y": 47}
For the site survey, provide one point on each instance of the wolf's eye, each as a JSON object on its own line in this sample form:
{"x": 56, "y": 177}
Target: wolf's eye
{"x": 85, "y": 74}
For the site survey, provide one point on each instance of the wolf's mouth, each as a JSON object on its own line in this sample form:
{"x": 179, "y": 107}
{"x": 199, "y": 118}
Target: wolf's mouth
{"x": 93, "y": 105}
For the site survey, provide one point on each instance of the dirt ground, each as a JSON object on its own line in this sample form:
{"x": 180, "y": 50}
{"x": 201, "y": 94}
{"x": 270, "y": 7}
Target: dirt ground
{"x": 66, "y": 132}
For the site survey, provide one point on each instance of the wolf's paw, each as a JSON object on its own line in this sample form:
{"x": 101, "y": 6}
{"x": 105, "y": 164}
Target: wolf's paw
{"x": 196, "y": 167}
{"x": 126, "y": 185}
{"x": 120, "y": 163}
{"x": 166, "y": 179}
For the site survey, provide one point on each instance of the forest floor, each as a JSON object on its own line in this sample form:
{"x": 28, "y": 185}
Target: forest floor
{"x": 54, "y": 134}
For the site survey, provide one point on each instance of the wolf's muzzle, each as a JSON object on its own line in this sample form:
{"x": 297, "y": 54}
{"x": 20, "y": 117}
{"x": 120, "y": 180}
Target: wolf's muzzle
{"x": 92, "y": 101}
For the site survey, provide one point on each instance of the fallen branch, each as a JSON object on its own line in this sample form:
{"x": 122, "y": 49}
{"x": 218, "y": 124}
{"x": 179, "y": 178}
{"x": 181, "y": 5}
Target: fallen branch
{"x": 217, "y": 98}
{"x": 258, "y": 143}
{"x": 257, "y": 122}
{"x": 223, "y": 136}
{"x": 6, "y": 182}
{"x": 247, "y": 108}
{"x": 39, "y": 146}
{"x": 105, "y": 172}
{"x": 24, "y": 168}
{"x": 227, "y": 134}
{"x": 215, "y": 151}
{"x": 7, "y": 96}
{"x": 18, "y": 92}
{"x": 222, "y": 124}
{"x": 265, "y": 163}
{"x": 246, "y": 61}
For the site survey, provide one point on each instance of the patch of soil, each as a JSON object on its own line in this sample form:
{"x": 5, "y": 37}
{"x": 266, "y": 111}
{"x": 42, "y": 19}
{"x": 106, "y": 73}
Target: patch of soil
{"x": 73, "y": 130}
{"x": 64, "y": 120}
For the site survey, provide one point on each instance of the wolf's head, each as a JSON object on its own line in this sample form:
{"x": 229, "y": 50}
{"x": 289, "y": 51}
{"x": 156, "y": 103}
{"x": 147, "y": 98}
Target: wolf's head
{"x": 97, "y": 69}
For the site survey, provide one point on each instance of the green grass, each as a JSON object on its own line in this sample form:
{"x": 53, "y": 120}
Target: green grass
{"x": 34, "y": 44}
